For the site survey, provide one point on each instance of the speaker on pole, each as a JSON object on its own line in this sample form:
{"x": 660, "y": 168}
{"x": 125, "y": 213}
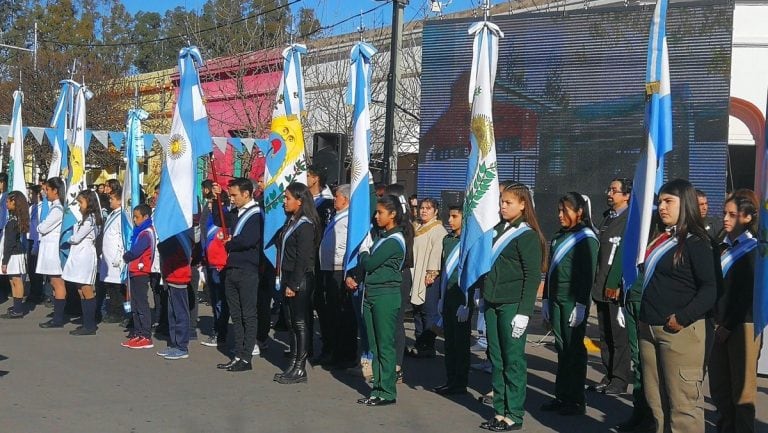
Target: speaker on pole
{"x": 329, "y": 152}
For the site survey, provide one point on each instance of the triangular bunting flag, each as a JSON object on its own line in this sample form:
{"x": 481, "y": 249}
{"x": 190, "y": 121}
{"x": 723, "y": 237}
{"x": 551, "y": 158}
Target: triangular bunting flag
{"x": 248, "y": 143}
{"x": 148, "y": 141}
{"x": 24, "y": 131}
{"x": 221, "y": 143}
{"x": 263, "y": 146}
{"x": 101, "y": 137}
{"x": 50, "y": 133}
{"x": 88, "y": 134}
{"x": 163, "y": 139}
{"x": 116, "y": 137}
{"x": 236, "y": 143}
{"x": 38, "y": 133}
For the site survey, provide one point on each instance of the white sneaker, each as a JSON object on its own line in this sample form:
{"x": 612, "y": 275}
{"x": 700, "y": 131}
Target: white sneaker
{"x": 256, "y": 350}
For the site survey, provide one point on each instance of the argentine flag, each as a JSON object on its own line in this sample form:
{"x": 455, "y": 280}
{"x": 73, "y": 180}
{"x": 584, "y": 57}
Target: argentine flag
{"x": 190, "y": 139}
{"x": 134, "y": 150}
{"x": 359, "y": 96}
{"x": 285, "y": 160}
{"x": 16, "y": 180}
{"x": 481, "y": 201}
{"x": 56, "y": 137}
{"x": 649, "y": 174}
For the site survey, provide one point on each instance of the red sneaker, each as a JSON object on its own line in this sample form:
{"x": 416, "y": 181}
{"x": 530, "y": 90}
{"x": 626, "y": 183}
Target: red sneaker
{"x": 127, "y": 343}
{"x": 141, "y": 343}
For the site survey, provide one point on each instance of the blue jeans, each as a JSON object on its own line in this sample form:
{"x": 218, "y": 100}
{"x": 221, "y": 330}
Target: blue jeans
{"x": 425, "y": 316}
{"x": 178, "y": 317}
{"x": 218, "y": 303}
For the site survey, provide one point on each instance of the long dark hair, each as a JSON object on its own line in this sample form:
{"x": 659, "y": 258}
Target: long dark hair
{"x": 57, "y": 184}
{"x": 307, "y": 209}
{"x": 392, "y": 203}
{"x": 577, "y": 202}
{"x": 398, "y": 192}
{"x": 689, "y": 219}
{"x": 523, "y": 194}
{"x": 92, "y": 209}
{"x": 20, "y": 210}
{"x": 746, "y": 204}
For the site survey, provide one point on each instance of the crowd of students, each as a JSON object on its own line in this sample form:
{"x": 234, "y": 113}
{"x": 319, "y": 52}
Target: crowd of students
{"x": 683, "y": 317}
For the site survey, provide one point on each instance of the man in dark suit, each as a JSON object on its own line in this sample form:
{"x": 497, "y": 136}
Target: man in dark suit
{"x": 713, "y": 225}
{"x": 607, "y": 292}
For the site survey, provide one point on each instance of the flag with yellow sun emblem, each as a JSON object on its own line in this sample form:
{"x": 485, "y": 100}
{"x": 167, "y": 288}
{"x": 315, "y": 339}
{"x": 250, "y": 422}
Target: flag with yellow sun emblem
{"x": 481, "y": 202}
{"x": 190, "y": 139}
{"x": 286, "y": 161}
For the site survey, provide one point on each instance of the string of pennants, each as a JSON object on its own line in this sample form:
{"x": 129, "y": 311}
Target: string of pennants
{"x": 117, "y": 138}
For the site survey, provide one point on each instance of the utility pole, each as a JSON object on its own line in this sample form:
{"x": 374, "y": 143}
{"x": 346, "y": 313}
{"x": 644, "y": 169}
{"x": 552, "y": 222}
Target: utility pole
{"x": 389, "y": 171}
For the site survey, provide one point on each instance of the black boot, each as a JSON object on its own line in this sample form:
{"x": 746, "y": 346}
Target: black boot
{"x": 298, "y": 373}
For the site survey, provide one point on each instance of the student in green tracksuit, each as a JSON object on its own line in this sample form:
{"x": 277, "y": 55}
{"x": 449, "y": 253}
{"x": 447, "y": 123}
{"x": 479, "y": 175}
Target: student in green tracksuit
{"x": 455, "y": 310}
{"x": 509, "y": 292}
{"x": 565, "y": 305}
{"x": 382, "y": 263}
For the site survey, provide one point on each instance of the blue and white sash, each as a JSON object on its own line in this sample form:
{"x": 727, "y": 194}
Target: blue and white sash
{"x": 451, "y": 263}
{"x": 244, "y": 219}
{"x": 731, "y": 255}
{"x": 111, "y": 219}
{"x": 336, "y": 218}
{"x": 564, "y": 248}
{"x": 655, "y": 256}
{"x": 508, "y": 236}
{"x": 396, "y": 236}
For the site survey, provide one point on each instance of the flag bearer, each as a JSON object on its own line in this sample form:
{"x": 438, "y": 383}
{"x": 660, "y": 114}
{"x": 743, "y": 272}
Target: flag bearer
{"x": 572, "y": 266}
{"x": 382, "y": 264}
{"x": 509, "y": 293}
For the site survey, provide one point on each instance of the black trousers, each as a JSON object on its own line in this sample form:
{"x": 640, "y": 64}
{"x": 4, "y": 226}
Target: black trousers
{"x": 264, "y": 302}
{"x": 338, "y": 325}
{"x": 297, "y": 313}
{"x": 405, "y": 304}
{"x": 614, "y": 345}
{"x": 240, "y": 287}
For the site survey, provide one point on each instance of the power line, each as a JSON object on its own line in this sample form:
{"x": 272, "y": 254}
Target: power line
{"x": 167, "y": 38}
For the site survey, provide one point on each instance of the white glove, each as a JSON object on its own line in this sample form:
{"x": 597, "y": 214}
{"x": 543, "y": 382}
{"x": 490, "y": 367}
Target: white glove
{"x": 365, "y": 246}
{"x": 577, "y": 315}
{"x": 620, "y": 318}
{"x": 519, "y": 323}
{"x": 476, "y": 297}
{"x": 462, "y": 313}
{"x": 545, "y": 309}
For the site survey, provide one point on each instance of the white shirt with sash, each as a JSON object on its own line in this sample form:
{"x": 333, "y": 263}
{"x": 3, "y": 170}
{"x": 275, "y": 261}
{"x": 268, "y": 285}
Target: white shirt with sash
{"x": 334, "y": 242}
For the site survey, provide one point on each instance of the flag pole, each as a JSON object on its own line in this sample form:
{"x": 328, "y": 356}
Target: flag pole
{"x": 219, "y": 205}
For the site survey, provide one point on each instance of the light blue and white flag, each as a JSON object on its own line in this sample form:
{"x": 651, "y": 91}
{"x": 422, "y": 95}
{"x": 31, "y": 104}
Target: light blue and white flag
{"x": 16, "y": 180}
{"x": 190, "y": 139}
{"x": 481, "y": 202}
{"x": 57, "y": 134}
{"x": 134, "y": 151}
{"x": 760, "y": 305}
{"x": 649, "y": 174}
{"x": 76, "y": 180}
{"x": 286, "y": 161}
{"x": 359, "y": 96}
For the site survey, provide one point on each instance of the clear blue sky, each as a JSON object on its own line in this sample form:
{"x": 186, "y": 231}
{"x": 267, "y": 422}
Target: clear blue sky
{"x": 329, "y": 11}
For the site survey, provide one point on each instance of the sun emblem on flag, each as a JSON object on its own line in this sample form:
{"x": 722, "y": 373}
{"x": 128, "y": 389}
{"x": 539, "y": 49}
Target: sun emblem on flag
{"x": 177, "y": 146}
{"x": 357, "y": 169}
{"x": 482, "y": 128}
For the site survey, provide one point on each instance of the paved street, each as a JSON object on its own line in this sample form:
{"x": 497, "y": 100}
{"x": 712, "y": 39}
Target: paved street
{"x": 53, "y": 382}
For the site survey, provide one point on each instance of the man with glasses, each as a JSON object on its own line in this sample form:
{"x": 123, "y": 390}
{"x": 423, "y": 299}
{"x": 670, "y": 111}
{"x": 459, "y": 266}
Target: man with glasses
{"x": 607, "y": 292}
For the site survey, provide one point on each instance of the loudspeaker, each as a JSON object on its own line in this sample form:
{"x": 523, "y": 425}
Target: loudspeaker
{"x": 329, "y": 152}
